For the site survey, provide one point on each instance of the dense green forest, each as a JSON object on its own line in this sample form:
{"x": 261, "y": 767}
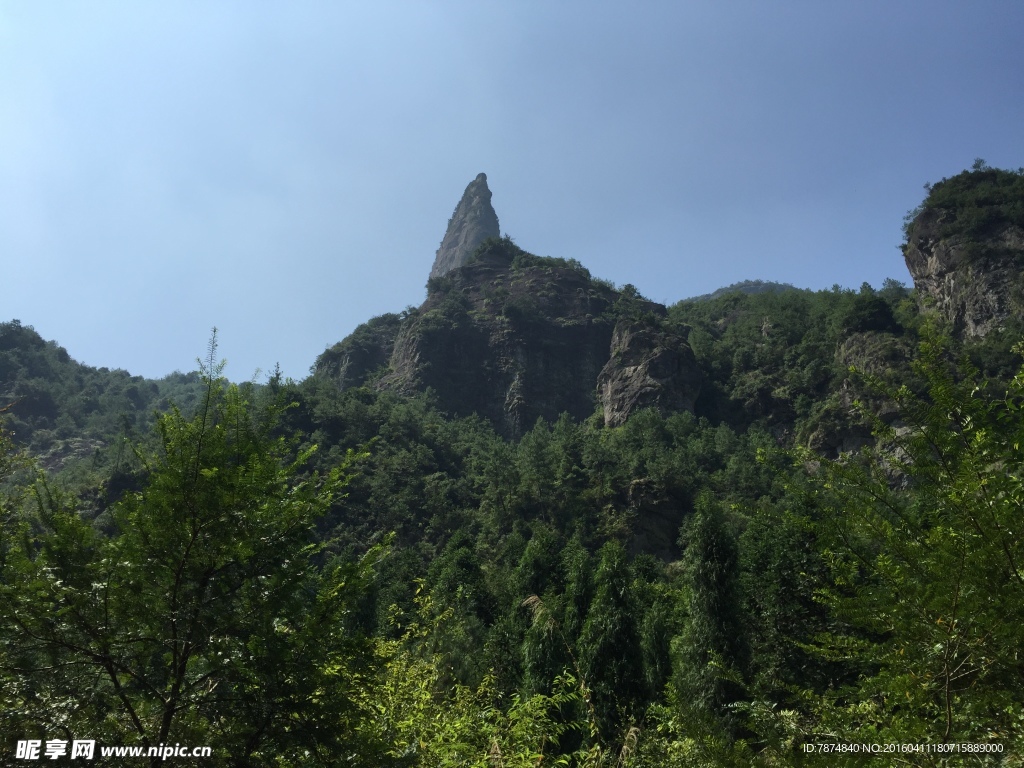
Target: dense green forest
{"x": 826, "y": 551}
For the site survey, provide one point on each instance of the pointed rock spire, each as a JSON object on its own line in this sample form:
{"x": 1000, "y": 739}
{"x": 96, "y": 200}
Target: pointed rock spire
{"x": 473, "y": 222}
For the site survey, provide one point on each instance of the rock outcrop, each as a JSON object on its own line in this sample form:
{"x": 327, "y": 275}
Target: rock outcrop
{"x": 650, "y": 366}
{"x": 509, "y": 344}
{"x": 965, "y": 250}
{"x": 514, "y": 337}
{"x": 974, "y": 283}
{"x": 473, "y": 222}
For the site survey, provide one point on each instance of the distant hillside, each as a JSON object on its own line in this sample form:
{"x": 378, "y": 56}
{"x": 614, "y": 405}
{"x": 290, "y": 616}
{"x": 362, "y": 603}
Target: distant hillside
{"x": 60, "y": 409}
{"x": 747, "y": 286}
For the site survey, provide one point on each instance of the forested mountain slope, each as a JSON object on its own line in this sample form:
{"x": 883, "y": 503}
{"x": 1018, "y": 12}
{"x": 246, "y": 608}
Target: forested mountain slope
{"x": 799, "y": 526}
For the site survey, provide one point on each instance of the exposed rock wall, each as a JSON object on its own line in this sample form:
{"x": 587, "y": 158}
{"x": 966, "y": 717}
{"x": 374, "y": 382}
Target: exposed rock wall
{"x": 650, "y": 366}
{"x": 509, "y": 345}
{"x": 974, "y": 283}
{"x": 473, "y": 222}
{"x": 516, "y": 344}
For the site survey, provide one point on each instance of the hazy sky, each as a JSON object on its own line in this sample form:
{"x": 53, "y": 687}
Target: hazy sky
{"x": 285, "y": 171}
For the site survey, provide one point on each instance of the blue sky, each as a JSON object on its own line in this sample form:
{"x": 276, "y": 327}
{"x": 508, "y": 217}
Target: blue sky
{"x": 285, "y": 171}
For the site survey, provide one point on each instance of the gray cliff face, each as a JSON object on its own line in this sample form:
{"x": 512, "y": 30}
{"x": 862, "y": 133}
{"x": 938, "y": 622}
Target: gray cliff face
{"x": 473, "y": 222}
{"x": 649, "y": 367}
{"x": 508, "y": 345}
{"x": 974, "y": 284}
{"x": 514, "y": 344}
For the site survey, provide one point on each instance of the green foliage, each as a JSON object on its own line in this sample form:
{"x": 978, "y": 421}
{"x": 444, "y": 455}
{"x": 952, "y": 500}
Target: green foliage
{"x": 458, "y": 585}
{"x": 220, "y": 587}
{"x": 207, "y": 617}
{"x": 500, "y": 248}
{"x": 747, "y": 286}
{"x": 352, "y": 361}
{"x": 975, "y": 201}
{"x": 920, "y": 534}
{"x": 781, "y": 568}
{"x": 504, "y": 249}
{"x": 424, "y": 721}
{"x": 712, "y": 650}
{"x": 777, "y": 361}
{"x": 609, "y": 644}
{"x": 525, "y": 518}
{"x": 632, "y": 307}
{"x": 72, "y": 417}
{"x": 421, "y": 478}
{"x": 870, "y": 312}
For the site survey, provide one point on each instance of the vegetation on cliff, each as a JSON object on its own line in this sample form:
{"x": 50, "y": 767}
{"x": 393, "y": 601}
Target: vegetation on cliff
{"x": 974, "y": 201}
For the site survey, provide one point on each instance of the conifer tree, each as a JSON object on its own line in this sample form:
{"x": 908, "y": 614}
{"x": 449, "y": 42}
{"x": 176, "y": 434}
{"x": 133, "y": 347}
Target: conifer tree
{"x": 711, "y": 650}
{"x": 609, "y": 645}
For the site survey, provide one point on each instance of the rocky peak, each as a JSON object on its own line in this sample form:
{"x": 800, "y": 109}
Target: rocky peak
{"x": 513, "y": 337}
{"x": 473, "y": 222}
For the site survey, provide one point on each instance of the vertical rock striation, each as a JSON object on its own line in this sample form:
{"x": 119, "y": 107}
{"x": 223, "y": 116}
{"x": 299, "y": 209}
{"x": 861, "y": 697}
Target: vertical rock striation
{"x": 965, "y": 250}
{"x": 975, "y": 283}
{"x": 473, "y": 222}
{"x": 649, "y": 367}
